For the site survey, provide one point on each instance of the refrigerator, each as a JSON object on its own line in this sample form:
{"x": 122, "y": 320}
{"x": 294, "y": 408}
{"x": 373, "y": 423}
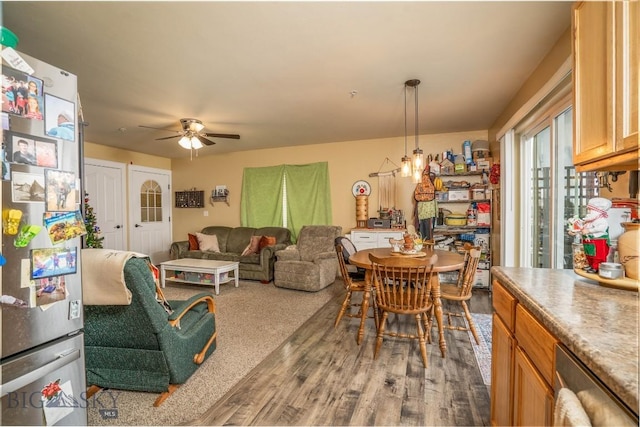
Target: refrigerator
{"x": 42, "y": 349}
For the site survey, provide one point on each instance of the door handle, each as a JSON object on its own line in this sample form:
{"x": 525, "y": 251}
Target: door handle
{"x": 137, "y": 225}
{"x": 118, "y": 226}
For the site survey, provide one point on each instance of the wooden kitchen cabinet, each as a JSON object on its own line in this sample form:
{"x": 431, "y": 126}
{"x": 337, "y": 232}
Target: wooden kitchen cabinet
{"x": 522, "y": 364}
{"x": 502, "y": 345}
{"x": 605, "y": 85}
{"x": 532, "y": 396}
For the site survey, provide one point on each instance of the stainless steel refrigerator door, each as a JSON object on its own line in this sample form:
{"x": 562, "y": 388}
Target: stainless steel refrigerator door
{"x": 25, "y": 328}
{"x": 24, "y": 378}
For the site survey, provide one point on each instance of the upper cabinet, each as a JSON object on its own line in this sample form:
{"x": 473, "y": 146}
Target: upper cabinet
{"x": 605, "y": 80}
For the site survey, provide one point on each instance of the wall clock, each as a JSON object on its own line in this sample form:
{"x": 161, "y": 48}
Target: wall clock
{"x": 361, "y": 188}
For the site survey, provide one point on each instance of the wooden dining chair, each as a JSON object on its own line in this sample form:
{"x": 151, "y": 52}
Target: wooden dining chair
{"x": 403, "y": 286}
{"x": 351, "y": 286}
{"x": 461, "y": 292}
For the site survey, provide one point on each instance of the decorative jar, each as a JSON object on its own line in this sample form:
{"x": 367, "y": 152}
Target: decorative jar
{"x": 628, "y": 249}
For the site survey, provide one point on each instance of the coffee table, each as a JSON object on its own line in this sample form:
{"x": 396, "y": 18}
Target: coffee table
{"x": 199, "y": 267}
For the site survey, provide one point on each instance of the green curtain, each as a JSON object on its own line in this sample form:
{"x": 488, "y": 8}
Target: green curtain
{"x": 308, "y": 196}
{"x": 261, "y": 198}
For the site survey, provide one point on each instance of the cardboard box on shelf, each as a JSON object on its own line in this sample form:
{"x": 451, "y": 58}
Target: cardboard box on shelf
{"x": 482, "y": 279}
{"x": 455, "y": 195}
{"x": 482, "y": 240}
{"x": 478, "y": 194}
{"x": 484, "y": 164}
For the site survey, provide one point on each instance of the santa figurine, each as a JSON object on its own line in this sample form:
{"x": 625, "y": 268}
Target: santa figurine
{"x": 595, "y": 223}
{"x": 594, "y": 229}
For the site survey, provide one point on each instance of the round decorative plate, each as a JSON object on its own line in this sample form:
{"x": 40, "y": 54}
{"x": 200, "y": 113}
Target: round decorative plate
{"x": 361, "y": 188}
{"x": 625, "y": 283}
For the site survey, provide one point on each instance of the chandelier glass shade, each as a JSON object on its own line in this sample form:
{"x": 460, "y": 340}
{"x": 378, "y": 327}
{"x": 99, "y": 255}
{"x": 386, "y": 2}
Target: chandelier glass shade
{"x": 415, "y": 166}
{"x": 406, "y": 168}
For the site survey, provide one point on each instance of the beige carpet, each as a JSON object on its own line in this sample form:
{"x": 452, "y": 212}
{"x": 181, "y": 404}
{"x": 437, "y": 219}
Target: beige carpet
{"x": 253, "y": 320}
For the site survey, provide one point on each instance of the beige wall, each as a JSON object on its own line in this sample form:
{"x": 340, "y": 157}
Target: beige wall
{"x": 103, "y": 152}
{"x": 348, "y": 162}
{"x": 560, "y": 52}
{"x": 551, "y": 63}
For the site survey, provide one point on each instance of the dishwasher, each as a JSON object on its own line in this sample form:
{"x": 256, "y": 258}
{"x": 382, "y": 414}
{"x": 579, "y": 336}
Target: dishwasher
{"x": 600, "y": 405}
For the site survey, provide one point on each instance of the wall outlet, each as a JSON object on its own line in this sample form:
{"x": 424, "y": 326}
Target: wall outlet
{"x": 205, "y": 213}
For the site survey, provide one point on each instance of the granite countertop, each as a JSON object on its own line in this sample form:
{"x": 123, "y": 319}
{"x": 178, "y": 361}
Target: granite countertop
{"x": 598, "y": 324}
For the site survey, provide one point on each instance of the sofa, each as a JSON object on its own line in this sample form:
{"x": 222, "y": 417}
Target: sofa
{"x": 232, "y": 242}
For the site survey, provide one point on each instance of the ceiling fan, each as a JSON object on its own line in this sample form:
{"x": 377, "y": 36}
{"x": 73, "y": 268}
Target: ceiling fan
{"x": 191, "y": 135}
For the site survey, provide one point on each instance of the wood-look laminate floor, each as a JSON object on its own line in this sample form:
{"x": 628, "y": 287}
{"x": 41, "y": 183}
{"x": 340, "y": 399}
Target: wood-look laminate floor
{"x": 320, "y": 376}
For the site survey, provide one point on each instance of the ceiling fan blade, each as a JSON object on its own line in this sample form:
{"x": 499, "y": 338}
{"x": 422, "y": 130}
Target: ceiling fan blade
{"x": 169, "y": 137}
{"x": 222, "y": 135}
{"x": 204, "y": 140}
{"x": 151, "y": 127}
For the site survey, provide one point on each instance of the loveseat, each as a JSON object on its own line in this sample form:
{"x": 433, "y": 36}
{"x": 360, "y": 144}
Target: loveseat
{"x": 232, "y": 242}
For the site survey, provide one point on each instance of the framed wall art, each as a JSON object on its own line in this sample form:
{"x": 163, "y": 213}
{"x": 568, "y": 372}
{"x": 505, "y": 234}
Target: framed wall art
{"x": 33, "y": 150}
{"x": 59, "y": 190}
{"x": 59, "y": 117}
{"x": 49, "y": 262}
{"x": 27, "y": 187}
{"x": 21, "y": 94}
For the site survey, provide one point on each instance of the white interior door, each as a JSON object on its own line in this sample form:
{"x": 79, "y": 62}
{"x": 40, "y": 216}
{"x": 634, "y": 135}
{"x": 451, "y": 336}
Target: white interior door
{"x": 149, "y": 212}
{"x": 105, "y": 185}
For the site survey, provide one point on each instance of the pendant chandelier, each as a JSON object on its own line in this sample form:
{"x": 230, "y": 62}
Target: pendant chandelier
{"x": 412, "y": 167}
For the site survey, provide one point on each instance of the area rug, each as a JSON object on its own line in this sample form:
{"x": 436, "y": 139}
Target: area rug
{"x": 253, "y": 320}
{"x": 482, "y": 351}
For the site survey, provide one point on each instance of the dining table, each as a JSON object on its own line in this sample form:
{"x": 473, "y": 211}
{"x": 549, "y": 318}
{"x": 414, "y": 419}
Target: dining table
{"x": 447, "y": 261}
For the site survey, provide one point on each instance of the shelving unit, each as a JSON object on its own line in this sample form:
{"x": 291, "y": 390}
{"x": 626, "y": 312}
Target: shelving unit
{"x": 453, "y": 237}
{"x": 189, "y": 199}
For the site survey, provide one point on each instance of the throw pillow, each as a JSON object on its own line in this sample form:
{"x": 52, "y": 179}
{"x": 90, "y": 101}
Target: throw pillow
{"x": 252, "y": 247}
{"x": 267, "y": 241}
{"x": 208, "y": 242}
{"x": 193, "y": 242}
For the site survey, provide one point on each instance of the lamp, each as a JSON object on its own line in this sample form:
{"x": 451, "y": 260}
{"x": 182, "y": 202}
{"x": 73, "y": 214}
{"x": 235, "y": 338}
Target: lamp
{"x": 185, "y": 142}
{"x": 190, "y": 141}
{"x": 405, "y": 168}
{"x": 417, "y": 160}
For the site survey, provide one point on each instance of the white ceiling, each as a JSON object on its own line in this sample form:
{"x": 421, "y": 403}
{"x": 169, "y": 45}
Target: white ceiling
{"x": 281, "y": 73}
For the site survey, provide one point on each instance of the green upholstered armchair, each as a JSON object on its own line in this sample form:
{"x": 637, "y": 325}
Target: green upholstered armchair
{"x": 310, "y": 264}
{"x": 141, "y": 346}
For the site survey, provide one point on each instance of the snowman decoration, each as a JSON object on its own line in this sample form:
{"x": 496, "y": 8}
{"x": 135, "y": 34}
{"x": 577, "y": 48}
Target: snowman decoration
{"x": 594, "y": 229}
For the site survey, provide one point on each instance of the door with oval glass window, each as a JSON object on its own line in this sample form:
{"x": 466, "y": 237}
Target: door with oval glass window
{"x": 150, "y": 210}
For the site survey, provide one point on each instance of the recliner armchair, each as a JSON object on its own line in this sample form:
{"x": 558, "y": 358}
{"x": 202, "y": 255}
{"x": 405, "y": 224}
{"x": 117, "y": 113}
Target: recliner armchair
{"x": 311, "y": 264}
{"x": 142, "y": 346}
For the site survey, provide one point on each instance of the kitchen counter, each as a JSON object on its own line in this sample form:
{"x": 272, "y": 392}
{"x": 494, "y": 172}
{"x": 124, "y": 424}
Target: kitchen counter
{"x": 598, "y": 324}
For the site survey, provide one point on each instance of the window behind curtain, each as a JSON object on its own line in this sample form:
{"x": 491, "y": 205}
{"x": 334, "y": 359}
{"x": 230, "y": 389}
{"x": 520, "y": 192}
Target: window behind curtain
{"x": 287, "y": 195}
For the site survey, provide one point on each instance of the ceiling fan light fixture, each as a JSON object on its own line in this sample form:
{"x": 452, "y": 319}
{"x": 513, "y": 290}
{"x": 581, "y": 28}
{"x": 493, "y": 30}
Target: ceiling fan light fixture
{"x": 185, "y": 142}
{"x": 195, "y": 143}
{"x": 197, "y": 126}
